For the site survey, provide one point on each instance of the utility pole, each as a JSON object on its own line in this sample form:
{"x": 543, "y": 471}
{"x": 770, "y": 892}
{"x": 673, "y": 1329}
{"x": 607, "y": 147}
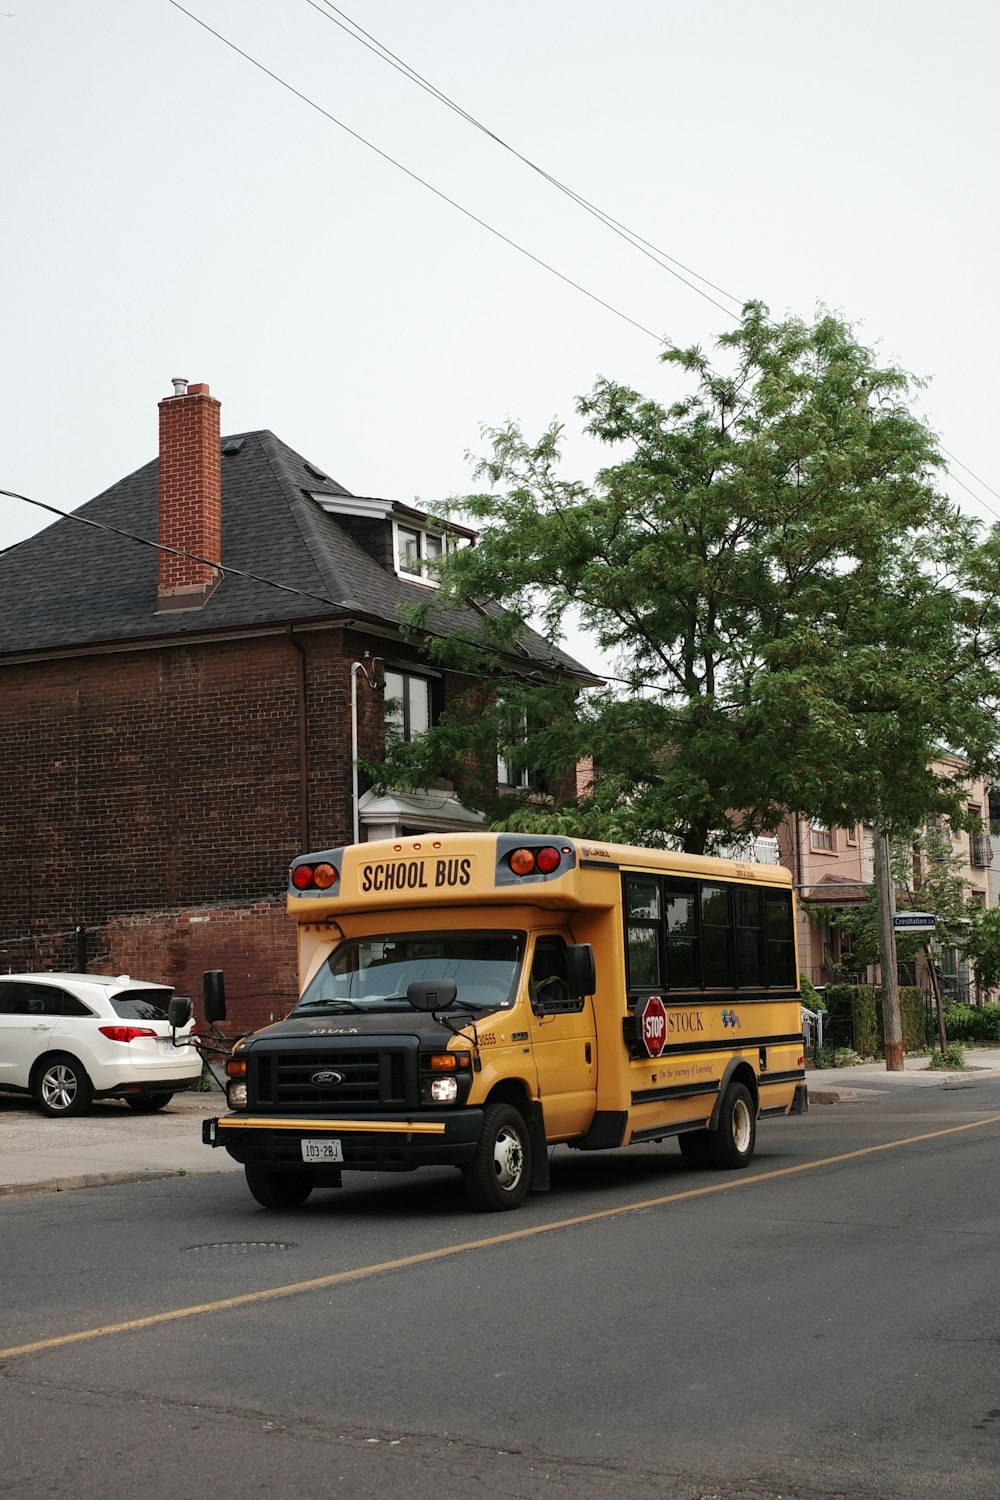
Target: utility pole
{"x": 886, "y": 898}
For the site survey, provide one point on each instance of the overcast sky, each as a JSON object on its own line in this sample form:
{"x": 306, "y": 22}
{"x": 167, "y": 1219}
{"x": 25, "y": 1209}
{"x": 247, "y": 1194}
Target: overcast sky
{"x": 171, "y": 210}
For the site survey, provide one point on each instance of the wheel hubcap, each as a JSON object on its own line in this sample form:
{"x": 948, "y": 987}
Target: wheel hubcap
{"x": 59, "y": 1088}
{"x": 742, "y": 1127}
{"x": 508, "y": 1159}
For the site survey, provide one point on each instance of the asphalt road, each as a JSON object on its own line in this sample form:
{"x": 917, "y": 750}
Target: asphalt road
{"x": 825, "y": 1324}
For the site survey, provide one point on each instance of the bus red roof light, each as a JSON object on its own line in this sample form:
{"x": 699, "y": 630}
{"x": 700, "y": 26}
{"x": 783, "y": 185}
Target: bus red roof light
{"x": 302, "y": 877}
{"x": 547, "y": 860}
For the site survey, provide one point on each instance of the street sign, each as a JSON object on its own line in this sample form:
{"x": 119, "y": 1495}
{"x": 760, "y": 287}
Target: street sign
{"x": 653, "y": 1025}
{"x": 914, "y": 921}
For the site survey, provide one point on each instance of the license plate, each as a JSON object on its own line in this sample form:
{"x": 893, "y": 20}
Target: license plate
{"x": 322, "y": 1150}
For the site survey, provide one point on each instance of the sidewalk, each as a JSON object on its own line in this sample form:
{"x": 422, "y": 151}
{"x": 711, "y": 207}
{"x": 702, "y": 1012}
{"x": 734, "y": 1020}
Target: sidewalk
{"x": 111, "y": 1144}
{"x": 841, "y": 1085}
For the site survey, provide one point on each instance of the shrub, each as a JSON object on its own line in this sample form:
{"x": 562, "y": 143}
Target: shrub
{"x": 952, "y": 1057}
{"x": 912, "y": 1018}
{"x": 810, "y": 995}
{"x": 972, "y": 1023}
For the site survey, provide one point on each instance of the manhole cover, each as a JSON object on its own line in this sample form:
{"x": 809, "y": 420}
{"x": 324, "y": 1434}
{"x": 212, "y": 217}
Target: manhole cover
{"x": 241, "y": 1247}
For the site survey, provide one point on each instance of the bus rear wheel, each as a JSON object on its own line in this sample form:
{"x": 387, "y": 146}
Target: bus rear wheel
{"x": 497, "y": 1178}
{"x": 732, "y": 1142}
{"x": 696, "y": 1147}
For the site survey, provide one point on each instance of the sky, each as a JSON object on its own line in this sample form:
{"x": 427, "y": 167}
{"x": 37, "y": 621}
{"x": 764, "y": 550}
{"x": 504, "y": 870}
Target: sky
{"x": 172, "y": 209}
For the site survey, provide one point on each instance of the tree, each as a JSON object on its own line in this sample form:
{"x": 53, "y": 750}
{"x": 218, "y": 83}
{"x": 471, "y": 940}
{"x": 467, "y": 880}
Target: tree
{"x": 802, "y": 619}
{"x": 982, "y": 947}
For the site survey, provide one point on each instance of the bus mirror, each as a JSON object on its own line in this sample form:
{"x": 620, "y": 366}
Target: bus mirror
{"x": 213, "y": 995}
{"x": 179, "y": 1011}
{"x": 581, "y": 973}
{"x": 432, "y": 994}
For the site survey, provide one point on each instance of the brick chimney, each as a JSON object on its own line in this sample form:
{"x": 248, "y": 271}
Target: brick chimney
{"x": 190, "y": 496}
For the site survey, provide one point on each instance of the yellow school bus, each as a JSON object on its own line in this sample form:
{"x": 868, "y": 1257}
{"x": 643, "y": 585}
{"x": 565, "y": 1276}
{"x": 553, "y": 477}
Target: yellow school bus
{"x": 474, "y": 999}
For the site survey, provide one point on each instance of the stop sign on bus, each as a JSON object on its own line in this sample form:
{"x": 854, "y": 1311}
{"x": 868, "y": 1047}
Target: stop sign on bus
{"x": 653, "y": 1025}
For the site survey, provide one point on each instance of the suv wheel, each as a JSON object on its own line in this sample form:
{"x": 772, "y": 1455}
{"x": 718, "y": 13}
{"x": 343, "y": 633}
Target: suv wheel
{"x": 61, "y": 1086}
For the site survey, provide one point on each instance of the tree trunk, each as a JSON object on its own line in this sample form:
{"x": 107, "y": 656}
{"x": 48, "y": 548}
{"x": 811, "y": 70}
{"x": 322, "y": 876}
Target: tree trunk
{"x": 886, "y": 898}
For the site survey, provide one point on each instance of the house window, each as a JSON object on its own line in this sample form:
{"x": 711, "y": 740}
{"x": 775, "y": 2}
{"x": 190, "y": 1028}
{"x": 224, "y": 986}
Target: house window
{"x": 851, "y": 835}
{"x": 418, "y": 552}
{"x": 513, "y": 731}
{"x": 822, "y": 836}
{"x": 407, "y": 705}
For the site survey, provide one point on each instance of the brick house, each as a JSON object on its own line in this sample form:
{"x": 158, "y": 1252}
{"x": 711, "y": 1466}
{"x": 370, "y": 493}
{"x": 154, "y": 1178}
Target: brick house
{"x": 179, "y": 723}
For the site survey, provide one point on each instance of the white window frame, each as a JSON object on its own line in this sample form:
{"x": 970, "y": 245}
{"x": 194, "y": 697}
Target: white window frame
{"x": 400, "y": 729}
{"x": 425, "y": 538}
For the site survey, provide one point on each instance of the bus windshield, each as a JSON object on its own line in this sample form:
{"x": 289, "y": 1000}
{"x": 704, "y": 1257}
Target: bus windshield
{"x": 372, "y": 973}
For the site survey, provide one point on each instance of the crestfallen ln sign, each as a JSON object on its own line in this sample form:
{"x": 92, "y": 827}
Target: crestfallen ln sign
{"x": 914, "y": 921}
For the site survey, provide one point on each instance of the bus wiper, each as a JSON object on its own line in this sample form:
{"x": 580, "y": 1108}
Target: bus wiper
{"x": 330, "y": 1005}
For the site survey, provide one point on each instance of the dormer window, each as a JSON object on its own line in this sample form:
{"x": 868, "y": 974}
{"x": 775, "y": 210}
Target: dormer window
{"x": 418, "y": 552}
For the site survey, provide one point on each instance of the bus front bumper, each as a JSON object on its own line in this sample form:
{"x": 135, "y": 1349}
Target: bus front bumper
{"x": 379, "y": 1143}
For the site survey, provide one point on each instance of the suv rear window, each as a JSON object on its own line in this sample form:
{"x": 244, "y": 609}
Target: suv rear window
{"x": 142, "y": 1005}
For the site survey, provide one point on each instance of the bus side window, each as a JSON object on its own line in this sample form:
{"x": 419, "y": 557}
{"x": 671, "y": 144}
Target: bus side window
{"x": 549, "y": 985}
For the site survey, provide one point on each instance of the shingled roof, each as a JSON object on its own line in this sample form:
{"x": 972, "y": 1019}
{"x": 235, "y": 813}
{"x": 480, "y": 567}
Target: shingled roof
{"x": 76, "y": 585}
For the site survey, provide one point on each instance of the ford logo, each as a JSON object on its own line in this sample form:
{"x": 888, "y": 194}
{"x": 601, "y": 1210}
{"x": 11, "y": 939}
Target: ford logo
{"x": 326, "y": 1080}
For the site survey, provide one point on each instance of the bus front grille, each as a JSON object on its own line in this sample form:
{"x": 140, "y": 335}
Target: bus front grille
{"x": 330, "y": 1080}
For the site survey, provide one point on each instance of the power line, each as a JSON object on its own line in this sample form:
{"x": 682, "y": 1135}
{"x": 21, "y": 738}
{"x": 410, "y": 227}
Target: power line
{"x": 660, "y": 257}
{"x": 636, "y": 240}
{"x": 422, "y": 181}
{"x": 644, "y": 246}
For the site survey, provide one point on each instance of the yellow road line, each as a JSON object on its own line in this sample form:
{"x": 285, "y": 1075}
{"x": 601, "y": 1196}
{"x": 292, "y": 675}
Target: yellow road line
{"x": 359, "y": 1273}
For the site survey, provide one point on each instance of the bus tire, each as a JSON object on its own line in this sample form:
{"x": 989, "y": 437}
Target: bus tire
{"x": 732, "y": 1142}
{"x": 696, "y": 1147}
{"x": 276, "y": 1188}
{"x": 497, "y": 1178}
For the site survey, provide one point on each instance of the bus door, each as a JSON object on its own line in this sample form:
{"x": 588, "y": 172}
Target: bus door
{"x": 563, "y": 1040}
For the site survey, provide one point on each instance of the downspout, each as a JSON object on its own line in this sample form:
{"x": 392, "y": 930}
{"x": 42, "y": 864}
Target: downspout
{"x": 303, "y": 741}
{"x": 371, "y": 677}
{"x": 355, "y": 669}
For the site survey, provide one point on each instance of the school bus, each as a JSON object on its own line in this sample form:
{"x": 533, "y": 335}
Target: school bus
{"x": 474, "y": 999}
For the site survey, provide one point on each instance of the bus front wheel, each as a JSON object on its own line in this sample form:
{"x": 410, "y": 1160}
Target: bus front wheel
{"x": 732, "y": 1142}
{"x": 277, "y": 1188}
{"x": 497, "y": 1177}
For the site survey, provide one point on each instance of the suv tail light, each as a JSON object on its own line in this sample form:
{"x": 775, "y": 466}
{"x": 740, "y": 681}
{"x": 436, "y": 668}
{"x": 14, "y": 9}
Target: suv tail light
{"x": 125, "y": 1033}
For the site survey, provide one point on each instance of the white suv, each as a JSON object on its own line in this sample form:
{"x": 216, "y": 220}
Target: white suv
{"x": 69, "y": 1038}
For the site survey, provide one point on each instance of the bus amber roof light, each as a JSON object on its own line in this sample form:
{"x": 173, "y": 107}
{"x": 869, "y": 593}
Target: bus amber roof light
{"x": 324, "y": 876}
{"x": 547, "y": 860}
{"x": 302, "y": 877}
{"x": 522, "y": 861}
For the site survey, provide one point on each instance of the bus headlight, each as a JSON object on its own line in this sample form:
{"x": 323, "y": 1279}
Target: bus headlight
{"x": 439, "y": 1090}
{"x": 236, "y": 1095}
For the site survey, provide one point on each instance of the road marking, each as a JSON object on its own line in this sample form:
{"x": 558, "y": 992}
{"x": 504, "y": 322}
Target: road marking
{"x": 359, "y": 1273}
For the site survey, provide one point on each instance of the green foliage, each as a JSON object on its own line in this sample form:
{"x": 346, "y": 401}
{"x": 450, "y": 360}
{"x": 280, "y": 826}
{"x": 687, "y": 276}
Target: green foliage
{"x": 972, "y": 1023}
{"x": 982, "y": 946}
{"x": 912, "y": 1018}
{"x": 811, "y": 998}
{"x": 952, "y": 1057}
{"x": 800, "y": 616}
{"x": 862, "y": 1005}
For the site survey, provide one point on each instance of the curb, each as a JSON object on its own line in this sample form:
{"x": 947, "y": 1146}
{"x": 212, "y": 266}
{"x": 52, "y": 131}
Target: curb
{"x": 98, "y": 1179}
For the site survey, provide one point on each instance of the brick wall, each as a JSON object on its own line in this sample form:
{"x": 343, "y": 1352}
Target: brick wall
{"x": 253, "y": 944}
{"x": 150, "y": 805}
{"x": 165, "y": 780}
